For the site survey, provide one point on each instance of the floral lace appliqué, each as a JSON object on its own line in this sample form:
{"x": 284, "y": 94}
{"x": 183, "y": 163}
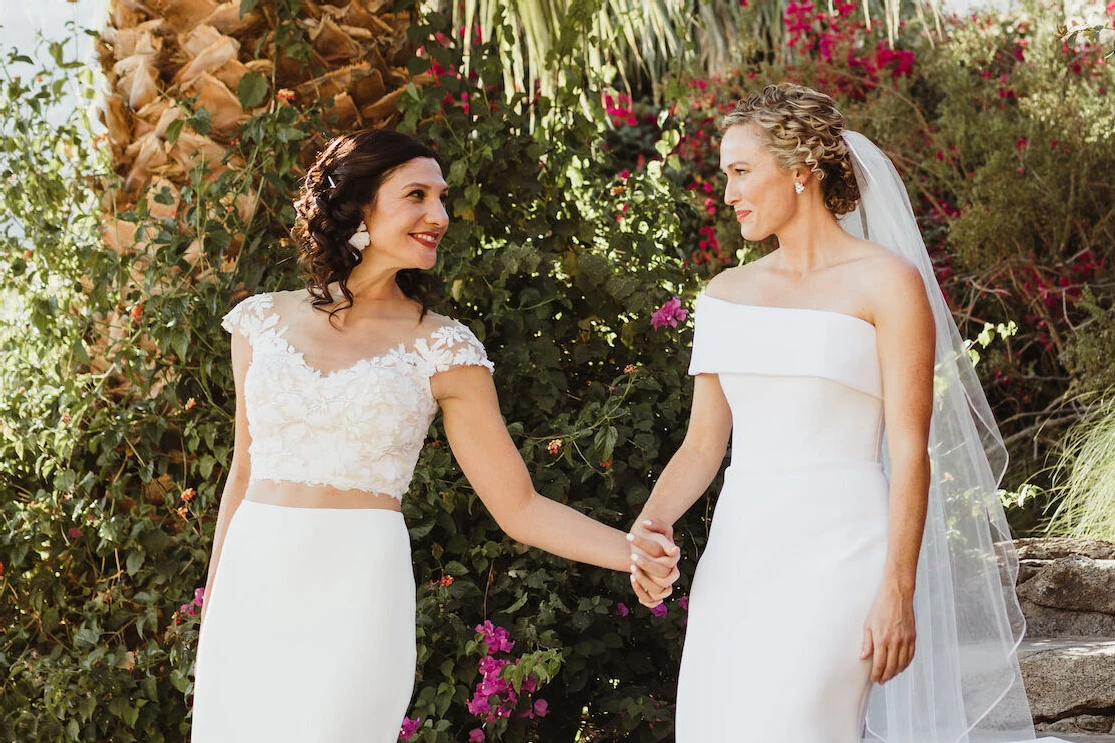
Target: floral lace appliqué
{"x": 361, "y": 427}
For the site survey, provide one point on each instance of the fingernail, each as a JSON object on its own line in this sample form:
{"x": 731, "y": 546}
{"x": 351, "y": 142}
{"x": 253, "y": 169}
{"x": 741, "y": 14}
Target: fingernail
{"x": 648, "y": 522}
{"x": 634, "y": 568}
{"x": 630, "y": 537}
{"x": 634, "y": 557}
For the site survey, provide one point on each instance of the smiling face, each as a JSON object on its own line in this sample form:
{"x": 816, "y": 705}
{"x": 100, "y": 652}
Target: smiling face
{"x": 760, "y": 189}
{"x": 407, "y": 218}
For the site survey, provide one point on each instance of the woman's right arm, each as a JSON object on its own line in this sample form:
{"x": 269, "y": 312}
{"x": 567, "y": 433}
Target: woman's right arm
{"x": 694, "y": 465}
{"x": 240, "y": 469}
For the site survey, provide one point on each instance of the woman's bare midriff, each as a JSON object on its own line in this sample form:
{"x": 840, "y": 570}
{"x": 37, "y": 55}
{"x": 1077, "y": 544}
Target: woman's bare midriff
{"x": 300, "y": 495}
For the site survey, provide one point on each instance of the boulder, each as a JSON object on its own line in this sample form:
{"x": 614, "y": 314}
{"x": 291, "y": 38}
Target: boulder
{"x": 1051, "y": 548}
{"x": 1072, "y": 583}
{"x": 1069, "y": 677}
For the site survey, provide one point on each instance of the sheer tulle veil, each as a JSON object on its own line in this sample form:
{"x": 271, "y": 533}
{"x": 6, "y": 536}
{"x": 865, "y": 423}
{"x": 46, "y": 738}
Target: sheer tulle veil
{"x": 964, "y": 684}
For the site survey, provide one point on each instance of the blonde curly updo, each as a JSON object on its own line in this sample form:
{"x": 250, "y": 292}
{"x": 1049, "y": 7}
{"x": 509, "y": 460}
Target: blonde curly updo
{"x": 803, "y": 127}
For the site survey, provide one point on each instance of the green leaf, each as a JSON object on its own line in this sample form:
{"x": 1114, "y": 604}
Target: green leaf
{"x": 135, "y": 561}
{"x": 252, "y": 89}
{"x": 247, "y": 6}
{"x": 174, "y": 129}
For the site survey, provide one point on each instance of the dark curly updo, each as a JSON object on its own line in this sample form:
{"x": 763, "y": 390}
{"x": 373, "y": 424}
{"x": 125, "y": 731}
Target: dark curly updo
{"x": 343, "y": 180}
{"x": 803, "y": 128}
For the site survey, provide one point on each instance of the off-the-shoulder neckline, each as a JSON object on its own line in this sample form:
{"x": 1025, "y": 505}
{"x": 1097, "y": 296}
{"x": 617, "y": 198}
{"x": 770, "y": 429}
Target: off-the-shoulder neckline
{"x": 817, "y": 310}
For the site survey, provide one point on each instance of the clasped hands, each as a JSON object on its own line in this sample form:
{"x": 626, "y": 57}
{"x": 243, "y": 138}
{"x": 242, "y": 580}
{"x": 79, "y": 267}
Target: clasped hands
{"x": 654, "y": 561}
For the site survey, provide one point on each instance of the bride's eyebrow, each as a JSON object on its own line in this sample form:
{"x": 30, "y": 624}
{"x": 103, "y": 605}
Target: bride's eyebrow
{"x": 426, "y": 186}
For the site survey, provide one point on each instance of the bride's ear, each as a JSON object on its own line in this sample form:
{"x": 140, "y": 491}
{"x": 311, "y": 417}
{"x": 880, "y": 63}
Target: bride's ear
{"x": 801, "y": 179}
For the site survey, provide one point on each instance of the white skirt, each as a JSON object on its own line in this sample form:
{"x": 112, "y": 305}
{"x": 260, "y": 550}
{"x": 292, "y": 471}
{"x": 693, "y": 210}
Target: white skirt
{"x": 778, "y": 603}
{"x": 309, "y": 629}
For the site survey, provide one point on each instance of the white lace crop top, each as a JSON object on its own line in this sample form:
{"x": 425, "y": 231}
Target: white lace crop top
{"x": 360, "y": 427}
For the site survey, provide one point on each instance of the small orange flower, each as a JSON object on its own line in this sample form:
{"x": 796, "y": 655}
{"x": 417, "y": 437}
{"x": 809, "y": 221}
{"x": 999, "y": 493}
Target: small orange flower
{"x": 286, "y": 95}
{"x": 137, "y": 312}
{"x": 447, "y": 580}
{"x": 1, "y": 568}
{"x": 629, "y": 369}
{"x": 554, "y": 446}
{"x": 188, "y": 495}
{"x": 183, "y": 511}
{"x": 190, "y": 403}
{"x": 606, "y": 463}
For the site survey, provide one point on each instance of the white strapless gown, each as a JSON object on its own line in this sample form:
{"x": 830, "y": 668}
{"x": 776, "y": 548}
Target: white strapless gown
{"x": 797, "y": 545}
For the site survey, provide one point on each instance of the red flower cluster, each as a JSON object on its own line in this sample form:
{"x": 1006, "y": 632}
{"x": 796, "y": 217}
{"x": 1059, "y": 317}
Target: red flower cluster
{"x": 838, "y": 40}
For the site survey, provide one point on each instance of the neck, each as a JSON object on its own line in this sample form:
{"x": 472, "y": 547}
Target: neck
{"x": 368, "y": 283}
{"x": 806, "y": 243}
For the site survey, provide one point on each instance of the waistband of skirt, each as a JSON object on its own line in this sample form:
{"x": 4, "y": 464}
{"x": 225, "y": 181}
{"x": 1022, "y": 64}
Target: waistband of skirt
{"x": 313, "y": 512}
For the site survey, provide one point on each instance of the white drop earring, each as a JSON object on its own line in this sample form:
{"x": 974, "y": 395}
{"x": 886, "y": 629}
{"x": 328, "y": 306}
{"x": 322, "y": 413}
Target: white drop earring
{"x": 799, "y": 187}
{"x": 360, "y": 239}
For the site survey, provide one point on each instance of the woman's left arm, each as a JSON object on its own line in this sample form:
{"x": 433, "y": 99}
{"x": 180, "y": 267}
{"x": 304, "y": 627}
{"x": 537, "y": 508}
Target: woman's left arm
{"x": 486, "y": 454}
{"x": 906, "y": 340}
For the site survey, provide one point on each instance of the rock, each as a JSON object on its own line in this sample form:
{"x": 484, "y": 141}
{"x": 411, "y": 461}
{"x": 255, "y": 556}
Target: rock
{"x": 1045, "y": 621}
{"x": 1068, "y": 677}
{"x": 1073, "y": 583}
{"x": 1094, "y": 724}
{"x": 1051, "y": 548}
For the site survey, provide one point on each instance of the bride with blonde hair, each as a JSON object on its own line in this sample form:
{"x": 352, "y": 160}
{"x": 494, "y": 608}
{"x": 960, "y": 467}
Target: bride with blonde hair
{"x": 858, "y": 581}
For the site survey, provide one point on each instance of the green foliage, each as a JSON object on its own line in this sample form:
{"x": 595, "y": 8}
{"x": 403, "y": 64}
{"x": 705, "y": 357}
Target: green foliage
{"x": 115, "y": 409}
{"x": 1085, "y": 478}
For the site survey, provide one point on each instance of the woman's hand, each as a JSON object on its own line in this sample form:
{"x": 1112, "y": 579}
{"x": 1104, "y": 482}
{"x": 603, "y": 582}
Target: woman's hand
{"x": 654, "y": 559}
{"x": 889, "y": 634}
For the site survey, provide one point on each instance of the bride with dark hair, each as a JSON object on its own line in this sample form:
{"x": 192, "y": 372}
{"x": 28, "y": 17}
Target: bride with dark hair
{"x": 308, "y": 631}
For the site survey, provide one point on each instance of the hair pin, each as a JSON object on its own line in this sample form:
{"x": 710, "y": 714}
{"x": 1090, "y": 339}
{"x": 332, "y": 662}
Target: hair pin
{"x": 331, "y": 183}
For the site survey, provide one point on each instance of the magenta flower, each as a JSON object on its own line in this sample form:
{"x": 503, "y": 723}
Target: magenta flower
{"x": 496, "y": 638}
{"x": 409, "y": 728}
{"x": 621, "y": 609}
{"x": 541, "y": 707}
{"x": 668, "y": 314}
{"x": 659, "y": 611}
{"x": 476, "y": 735}
{"x": 479, "y": 705}
{"x": 683, "y": 603}
{"x": 199, "y": 596}
{"x": 74, "y": 532}
{"x": 490, "y": 666}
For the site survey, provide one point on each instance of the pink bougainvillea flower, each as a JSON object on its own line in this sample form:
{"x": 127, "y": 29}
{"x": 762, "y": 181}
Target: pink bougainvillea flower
{"x": 659, "y": 611}
{"x": 496, "y": 638}
{"x": 199, "y": 596}
{"x": 541, "y": 707}
{"x": 476, "y": 735}
{"x": 669, "y": 314}
{"x": 479, "y": 705}
{"x": 409, "y": 728}
{"x": 621, "y": 609}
